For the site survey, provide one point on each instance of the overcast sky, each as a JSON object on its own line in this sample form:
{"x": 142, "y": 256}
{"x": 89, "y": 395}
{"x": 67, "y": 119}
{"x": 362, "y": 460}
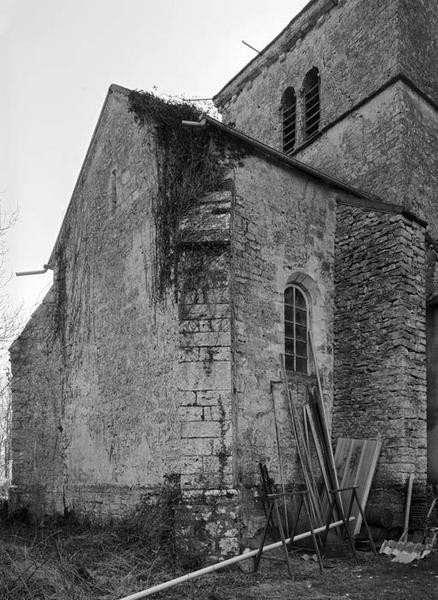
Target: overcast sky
{"x": 57, "y": 60}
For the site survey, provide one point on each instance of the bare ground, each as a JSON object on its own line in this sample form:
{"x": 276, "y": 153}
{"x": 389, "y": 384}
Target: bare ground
{"x": 374, "y": 578}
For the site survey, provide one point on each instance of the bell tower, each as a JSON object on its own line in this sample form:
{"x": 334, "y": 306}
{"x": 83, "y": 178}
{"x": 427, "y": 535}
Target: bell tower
{"x": 375, "y": 126}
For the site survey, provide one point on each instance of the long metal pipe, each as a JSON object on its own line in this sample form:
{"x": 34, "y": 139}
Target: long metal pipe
{"x": 225, "y": 563}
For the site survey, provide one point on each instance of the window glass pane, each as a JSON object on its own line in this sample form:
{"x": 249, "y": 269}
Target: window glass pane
{"x": 301, "y": 365}
{"x": 301, "y": 333}
{"x": 299, "y": 298}
{"x": 301, "y": 348}
{"x": 289, "y": 329}
{"x": 300, "y": 316}
{"x": 289, "y": 296}
{"x": 289, "y": 362}
{"x": 295, "y": 329}
{"x": 289, "y": 346}
{"x": 288, "y": 313}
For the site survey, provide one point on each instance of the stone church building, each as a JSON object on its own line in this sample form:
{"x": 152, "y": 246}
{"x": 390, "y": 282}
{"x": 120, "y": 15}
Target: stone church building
{"x": 192, "y": 256}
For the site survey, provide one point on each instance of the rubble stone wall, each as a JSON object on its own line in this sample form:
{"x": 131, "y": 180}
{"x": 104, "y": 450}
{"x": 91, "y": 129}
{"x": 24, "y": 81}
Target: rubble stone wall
{"x": 355, "y": 149}
{"x": 418, "y": 181}
{"x": 386, "y": 147}
{"x": 418, "y": 43}
{"x": 37, "y": 387}
{"x": 380, "y": 343}
{"x": 283, "y": 230}
{"x": 118, "y": 389}
{"x": 97, "y": 404}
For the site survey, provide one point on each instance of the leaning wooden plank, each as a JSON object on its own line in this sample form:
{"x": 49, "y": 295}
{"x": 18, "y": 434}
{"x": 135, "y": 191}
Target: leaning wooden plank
{"x": 319, "y": 451}
{"x": 369, "y": 470}
{"x": 345, "y": 455}
{"x": 305, "y": 461}
{"x": 365, "y": 472}
{"x": 350, "y": 475}
{"x": 404, "y": 535}
{"x": 304, "y": 458}
{"x": 324, "y": 420}
{"x": 315, "y": 504}
{"x": 361, "y": 465}
{"x": 321, "y": 395}
{"x": 357, "y": 460}
{"x": 225, "y": 563}
{"x": 306, "y": 428}
{"x": 280, "y": 464}
{"x": 327, "y": 454}
{"x": 313, "y": 492}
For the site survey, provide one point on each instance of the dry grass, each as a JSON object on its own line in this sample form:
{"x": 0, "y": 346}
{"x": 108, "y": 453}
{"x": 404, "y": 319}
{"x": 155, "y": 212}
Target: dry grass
{"x": 71, "y": 561}
{"x": 67, "y": 560}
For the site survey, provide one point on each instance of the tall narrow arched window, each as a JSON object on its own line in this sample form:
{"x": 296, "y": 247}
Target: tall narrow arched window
{"x": 289, "y": 113}
{"x": 311, "y": 103}
{"x": 296, "y": 324}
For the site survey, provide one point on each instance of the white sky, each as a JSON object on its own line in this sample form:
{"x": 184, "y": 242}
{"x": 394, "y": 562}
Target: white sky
{"x": 57, "y": 60}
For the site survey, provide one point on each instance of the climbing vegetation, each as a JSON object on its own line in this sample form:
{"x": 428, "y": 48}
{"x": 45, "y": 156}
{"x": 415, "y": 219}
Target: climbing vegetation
{"x": 189, "y": 166}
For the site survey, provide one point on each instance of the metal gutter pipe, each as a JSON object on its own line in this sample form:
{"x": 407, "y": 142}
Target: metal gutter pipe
{"x": 37, "y": 272}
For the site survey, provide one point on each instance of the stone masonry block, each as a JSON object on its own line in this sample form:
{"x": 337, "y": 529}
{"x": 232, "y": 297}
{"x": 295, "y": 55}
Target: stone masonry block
{"x": 212, "y": 464}
{"x": 192, "y": 465}
{"x": 207, "y": 481}
{"x": 204, "y": 311}
{"x": 213, "y": 398}
{"x": 223, "y": 445}
{"x": 201, "y": 429}
{"x": 219, "y": 413}
{"x": 196, "y": 446}
{"x": 190, "y": 326}
{"x": 209, "y": 338}
{"x": 191, "y": 413}
{"x": 211, "y": 376}
{"x": 186, "y": 398}
{"x": 209, "y": 353}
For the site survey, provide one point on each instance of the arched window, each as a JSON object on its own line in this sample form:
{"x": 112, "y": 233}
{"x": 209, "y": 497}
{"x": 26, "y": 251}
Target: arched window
{"x": 296, "y": 324}
{"x": 311, "y": 103}
{"x": 289, "y": 110}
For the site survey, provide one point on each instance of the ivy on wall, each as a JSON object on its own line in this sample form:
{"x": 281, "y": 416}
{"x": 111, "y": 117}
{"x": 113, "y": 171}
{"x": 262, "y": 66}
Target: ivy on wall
{"x": 189, "y": 166}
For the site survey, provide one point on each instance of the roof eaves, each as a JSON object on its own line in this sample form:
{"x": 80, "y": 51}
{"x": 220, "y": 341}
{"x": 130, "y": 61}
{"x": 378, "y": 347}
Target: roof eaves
{"x": 296, "y": 164}
{"x": 365, "y": 200}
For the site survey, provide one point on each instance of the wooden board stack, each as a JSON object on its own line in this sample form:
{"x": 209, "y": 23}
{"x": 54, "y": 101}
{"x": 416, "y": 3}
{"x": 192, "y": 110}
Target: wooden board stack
{"x": 353, "y": 464}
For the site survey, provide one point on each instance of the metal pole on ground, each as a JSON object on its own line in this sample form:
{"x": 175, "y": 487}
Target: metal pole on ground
{"x": 225, "y": 563}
